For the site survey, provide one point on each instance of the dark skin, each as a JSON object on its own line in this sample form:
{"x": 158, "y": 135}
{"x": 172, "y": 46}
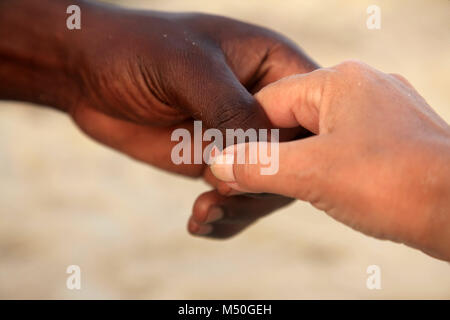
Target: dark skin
{"x": 128, "y": 78}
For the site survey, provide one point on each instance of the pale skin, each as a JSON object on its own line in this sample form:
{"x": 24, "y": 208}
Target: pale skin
{"x": 379, "y": 161}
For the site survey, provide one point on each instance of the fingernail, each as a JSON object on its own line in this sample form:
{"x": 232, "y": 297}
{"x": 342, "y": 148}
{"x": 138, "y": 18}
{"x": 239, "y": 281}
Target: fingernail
{"x": 222, "y": 167}
{"x": 214, "y": 214}
{"x": 204, "y": 229}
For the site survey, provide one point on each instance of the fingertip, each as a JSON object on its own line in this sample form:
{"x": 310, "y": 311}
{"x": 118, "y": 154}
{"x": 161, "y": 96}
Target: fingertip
{"x": 222, "y": 167}
{"x": 203, "y": 204}
{"x": 215, "y": 214}
{"x": 199, "y": 229}
{"x": 200, "y": 210}
{"x": 192, "y": 226}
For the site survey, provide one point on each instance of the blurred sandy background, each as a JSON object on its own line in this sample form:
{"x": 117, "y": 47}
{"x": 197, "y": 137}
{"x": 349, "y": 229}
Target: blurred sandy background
{"x": 66, "y": 200}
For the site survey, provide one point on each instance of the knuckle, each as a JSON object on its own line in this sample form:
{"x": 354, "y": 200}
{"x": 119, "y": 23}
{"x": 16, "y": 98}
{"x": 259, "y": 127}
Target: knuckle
{"x": 233, "y": 112}
{"x": 226, "y": 117}
{"x": 355, "y": 71}
{"x": 352, "y": 65}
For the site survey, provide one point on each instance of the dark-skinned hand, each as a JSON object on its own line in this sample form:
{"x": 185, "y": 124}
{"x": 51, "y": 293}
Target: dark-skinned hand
{"x": 130, "y": 77}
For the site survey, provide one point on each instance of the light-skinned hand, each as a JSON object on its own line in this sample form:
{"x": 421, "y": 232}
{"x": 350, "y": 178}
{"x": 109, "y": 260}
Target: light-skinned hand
{"x": 379, "y": 161}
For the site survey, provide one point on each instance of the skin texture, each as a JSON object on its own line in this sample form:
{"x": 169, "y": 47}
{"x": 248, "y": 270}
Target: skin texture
{"x": 379, "y": 161}
{"x": 128, "y": 78}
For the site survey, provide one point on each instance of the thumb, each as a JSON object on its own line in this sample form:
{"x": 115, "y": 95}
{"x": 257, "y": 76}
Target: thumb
{"x": 295, "y": 100}
{"x": 294, "y": 169}
{"x": 212, "y": 93}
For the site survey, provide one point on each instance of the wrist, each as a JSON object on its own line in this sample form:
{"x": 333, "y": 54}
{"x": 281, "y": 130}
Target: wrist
{"x": 37, "y": 58}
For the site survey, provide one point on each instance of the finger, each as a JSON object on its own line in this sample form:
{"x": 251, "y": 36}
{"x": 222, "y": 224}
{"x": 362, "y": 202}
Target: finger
{"x": 217, "y": 216}
{"x": 295, "y": 100}
{"x": 213, "y": 94}
{"x": 278, "y": 57}
{"x": 295, "y": 169}
{"x": 282, "y": 61}
{"x": 223, "y": 102}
